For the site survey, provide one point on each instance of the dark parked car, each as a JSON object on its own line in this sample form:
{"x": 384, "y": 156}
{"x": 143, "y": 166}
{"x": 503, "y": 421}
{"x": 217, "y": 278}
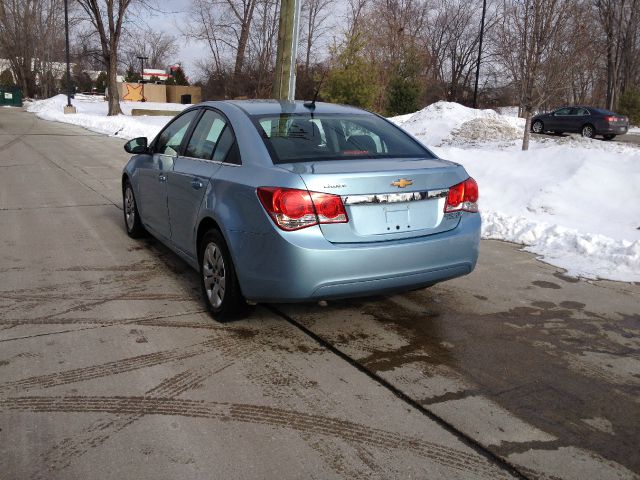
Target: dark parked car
{"x": 587, "y": 121}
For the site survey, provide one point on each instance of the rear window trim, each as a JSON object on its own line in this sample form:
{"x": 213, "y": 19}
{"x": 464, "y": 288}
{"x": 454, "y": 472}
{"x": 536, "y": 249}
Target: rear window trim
{"x": 275, "y": 159}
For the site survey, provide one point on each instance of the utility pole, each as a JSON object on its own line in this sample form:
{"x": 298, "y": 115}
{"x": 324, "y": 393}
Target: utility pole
{"x": 68, "y": 107}
{"x": 475, "y": 90}
{"x": 284, "y": 84}
{"x": 142, "y": 59}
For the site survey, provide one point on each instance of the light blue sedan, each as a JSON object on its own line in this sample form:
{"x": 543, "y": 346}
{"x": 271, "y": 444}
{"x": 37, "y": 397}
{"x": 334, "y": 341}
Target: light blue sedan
{"x": 287, "y": 202}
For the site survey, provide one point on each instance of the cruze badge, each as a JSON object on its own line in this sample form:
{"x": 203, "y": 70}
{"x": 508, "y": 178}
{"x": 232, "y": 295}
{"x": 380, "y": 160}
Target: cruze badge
{"x": 403, "y": 182}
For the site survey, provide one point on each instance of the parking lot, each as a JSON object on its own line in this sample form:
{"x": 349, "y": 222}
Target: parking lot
{"x": 110, "y": 368}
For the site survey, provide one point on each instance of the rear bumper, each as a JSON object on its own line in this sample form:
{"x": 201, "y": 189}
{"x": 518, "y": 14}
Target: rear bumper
{"x": 612, "y": 130}
{"x": 303, "y": 265}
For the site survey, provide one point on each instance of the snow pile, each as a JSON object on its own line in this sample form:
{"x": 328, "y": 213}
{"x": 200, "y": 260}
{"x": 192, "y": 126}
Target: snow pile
{"x": 92, "y": 115}
{"x": 573, "y": 201}
{"x": 576, "y": 204}
{"x": 483, "y": 129}
{"x": 436, "y": 122}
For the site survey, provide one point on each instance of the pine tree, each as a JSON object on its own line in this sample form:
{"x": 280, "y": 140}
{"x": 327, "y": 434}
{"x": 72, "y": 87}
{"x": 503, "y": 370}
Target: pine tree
{"x": 101, "y": 82}
{"x": 629, "y": 105}
{"x": 131, "y": 75}
{"x": 6, "y": 79}
{"x": 178, "y": 78}
{"x": 403, "y": 91}
{"x": 352, "y": 81}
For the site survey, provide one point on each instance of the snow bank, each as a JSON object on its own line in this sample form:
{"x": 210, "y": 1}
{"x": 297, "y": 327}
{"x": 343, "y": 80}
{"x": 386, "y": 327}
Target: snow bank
{"x": 481, "y": 130}
{"x": 435, "y": 123}
{"x": 573, "y": 201}
{"x": 92, "y": 115}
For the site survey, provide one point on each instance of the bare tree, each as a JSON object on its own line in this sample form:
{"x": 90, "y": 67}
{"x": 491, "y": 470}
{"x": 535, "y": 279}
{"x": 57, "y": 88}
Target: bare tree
{"x": 314, "y": 23}
{"x": 30, "y": 38}
{"x": 533, "y": 36}
{"x": 262, "y": 48}
{"x": 225, "y": 25}
{"x": 107, "y": 18}
{"x": 620, "y": 23}
{"x": 158, "y": 46}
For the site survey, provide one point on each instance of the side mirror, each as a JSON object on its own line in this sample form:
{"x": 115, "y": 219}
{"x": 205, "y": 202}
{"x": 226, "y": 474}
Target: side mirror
{"x": 137, "y": 145}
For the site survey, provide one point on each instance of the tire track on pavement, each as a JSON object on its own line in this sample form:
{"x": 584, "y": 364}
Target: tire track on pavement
{"x": 354, "y": 433}
{"x": 126, "y": 365}
{"x": 61, "y": 455}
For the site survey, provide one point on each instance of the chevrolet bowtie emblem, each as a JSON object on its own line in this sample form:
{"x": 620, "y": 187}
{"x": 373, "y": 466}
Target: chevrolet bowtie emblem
{"x": 403, "y": 182}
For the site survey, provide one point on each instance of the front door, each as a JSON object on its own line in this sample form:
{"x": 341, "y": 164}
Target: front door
{"x": 154, "y": 174}
{"x": 560, "y": 121}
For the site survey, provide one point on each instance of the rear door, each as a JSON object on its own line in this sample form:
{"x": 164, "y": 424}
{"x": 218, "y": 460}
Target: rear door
{"x": 153, "y": 174}
{"x": 579, "y": 116}
{"x": 190, "y": 178}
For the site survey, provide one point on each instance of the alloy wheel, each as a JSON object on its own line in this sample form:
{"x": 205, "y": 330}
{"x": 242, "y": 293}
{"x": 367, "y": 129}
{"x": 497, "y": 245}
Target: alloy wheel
{"x": 587, "y": 131}
{"x": 129, "y": 208}
{"x": 537, "y": 127}
{"x": 214, "y": 273}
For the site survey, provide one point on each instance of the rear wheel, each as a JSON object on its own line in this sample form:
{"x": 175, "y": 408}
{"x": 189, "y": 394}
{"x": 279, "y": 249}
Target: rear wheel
{"x": 608, "y": 137}
{"x": 588, "y": 131}
{"x": 218, "y": 279}
{"x": 537, "y": 126}
{"x": 132, "y": 221}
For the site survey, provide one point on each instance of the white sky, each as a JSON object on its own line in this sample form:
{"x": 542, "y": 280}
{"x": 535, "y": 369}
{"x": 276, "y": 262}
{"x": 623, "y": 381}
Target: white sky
{"x": 173, "y": 13}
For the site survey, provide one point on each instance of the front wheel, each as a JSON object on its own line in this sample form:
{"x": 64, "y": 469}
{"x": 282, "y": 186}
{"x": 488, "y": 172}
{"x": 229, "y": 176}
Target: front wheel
{"x": 608, "y": 137}
{"x": 588, "y": 131}
{"x": 132, "y": 221}
{"x": 218, "y": 279}
{"x": 537, "y": 127}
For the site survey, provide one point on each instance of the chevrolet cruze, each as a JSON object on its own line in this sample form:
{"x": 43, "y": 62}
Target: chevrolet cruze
{"x": 288, "y": 201}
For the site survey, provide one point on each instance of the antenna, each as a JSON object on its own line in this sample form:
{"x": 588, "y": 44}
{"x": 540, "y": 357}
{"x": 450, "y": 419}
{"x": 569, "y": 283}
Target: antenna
{"x": 312, "y": 104}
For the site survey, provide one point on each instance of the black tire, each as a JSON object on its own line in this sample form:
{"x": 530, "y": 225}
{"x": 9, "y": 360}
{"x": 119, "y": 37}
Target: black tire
{"x": 132, "y": 221}
{"x": 588, "y": 131}
{"x": 537, "y": 127}
{"x": 218, "y": 279}
{"x": 608, "y": 137}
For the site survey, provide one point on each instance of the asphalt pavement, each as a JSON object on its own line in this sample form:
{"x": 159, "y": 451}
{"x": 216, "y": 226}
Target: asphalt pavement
{"x": 111, "y": 369}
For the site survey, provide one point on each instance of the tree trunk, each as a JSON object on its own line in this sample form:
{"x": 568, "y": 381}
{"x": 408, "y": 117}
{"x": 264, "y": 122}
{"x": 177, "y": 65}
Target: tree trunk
{"x": 112, "y": 79}
{"x": 527, "y": 129}
{"x": 242, "y": 46}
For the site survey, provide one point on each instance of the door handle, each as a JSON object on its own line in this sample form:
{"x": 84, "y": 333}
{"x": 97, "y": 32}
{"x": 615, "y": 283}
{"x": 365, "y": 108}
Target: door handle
{"x": 162, "y": 177}
{"x": 196, "y": 184}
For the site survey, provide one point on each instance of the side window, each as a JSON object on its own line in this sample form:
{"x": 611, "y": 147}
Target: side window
{"x": 169, "y": 141}
{"x": 226, "y": 149}
{"x": 562, "y": 112}
{"x": 581, "y": 112}
{"x": 205, "y": 136}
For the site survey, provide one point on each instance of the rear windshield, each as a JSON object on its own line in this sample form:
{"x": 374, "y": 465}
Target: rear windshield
{"x": 302, "y": 138}
{"x": 602, "y": 111}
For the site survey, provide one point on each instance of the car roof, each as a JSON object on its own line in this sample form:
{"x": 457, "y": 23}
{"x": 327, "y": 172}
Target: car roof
{"x": 277, "y": 107}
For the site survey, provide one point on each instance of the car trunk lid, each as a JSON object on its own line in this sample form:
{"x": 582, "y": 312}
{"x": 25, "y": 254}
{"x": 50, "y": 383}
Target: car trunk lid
{"x": 385, "y": 199}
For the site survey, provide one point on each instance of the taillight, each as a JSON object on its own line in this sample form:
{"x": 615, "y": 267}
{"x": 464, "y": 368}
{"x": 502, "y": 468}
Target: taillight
{"x": 329, "y": 208}
{"x": 293, "y": 209}
{"x": 609, "y": 119}
{"x": 463, "y": 196}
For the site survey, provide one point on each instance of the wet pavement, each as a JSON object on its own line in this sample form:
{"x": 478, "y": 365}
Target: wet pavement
{"x": 109, "y": 367}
